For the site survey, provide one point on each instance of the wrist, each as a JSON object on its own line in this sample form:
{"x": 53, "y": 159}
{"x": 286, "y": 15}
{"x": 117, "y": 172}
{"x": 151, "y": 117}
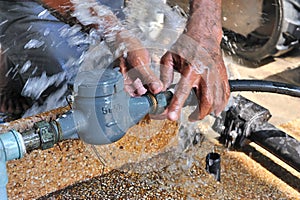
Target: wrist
{"x": 204, "y": 22}
{"x": 203, "y": 36}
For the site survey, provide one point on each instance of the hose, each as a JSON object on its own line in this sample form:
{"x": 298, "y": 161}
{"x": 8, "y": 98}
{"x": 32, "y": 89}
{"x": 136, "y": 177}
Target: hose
{"x": 279, "y": 143}
{"x": 264, "y": 86}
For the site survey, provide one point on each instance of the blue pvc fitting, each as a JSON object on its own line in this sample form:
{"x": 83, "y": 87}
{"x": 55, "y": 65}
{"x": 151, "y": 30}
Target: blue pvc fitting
{"x": 3, "y": 173}
{"x": 3, "y": 193}
{"x": 11, "y": 147}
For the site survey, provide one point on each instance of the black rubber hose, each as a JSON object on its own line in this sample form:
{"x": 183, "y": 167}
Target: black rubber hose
{"x": 264, "y": 86}
{"x": 278, "y": 143}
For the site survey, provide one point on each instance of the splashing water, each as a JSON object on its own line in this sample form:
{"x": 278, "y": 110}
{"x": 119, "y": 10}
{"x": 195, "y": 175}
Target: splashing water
{"x": 32, "y": 87}
{"x": 33, "y": 44}
{"x": 26, "y": 66}
{"x": 54, "y": 100}
{"x": 44, "y": 14}
{"x": 157, "y": 28}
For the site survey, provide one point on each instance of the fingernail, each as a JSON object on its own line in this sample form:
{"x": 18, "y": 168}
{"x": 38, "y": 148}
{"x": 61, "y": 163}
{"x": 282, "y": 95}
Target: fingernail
{"x": 141, "y": 91}
{"x": 155, "y": 87}
{"x": 173, "y": 116}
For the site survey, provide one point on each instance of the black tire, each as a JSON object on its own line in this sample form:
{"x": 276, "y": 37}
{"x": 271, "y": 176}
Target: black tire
{"x": 279, "y": 33}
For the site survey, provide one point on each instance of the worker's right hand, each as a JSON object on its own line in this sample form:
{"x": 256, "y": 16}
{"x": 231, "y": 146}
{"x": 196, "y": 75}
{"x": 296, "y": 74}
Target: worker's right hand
{"x": 135, "y": 66}
{"x": 201, "y": 66}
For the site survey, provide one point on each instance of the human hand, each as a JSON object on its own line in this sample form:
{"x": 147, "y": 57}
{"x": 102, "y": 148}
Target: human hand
{"x": 134, "y": 58}
{"x": 201, "y": 66}
{"x": 135, "y": 66}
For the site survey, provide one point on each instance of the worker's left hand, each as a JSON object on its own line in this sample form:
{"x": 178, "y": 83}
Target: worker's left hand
{"x": 201, "y": 66}
{"x": 135, "y": 67}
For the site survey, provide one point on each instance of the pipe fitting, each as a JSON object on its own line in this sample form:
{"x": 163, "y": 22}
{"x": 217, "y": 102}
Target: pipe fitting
{"x": 160, "y": 102}
{"x": 3, "y": 174}
{"x": 12, "y": 144}
{"x": 102, "y": 110}
{"x": 43, "y": 135}
{"x": 48, "y": 134}
{"x": 11, "y": 147}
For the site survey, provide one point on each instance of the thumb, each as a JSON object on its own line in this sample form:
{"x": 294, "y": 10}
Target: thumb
{"x": 182, "y": 92}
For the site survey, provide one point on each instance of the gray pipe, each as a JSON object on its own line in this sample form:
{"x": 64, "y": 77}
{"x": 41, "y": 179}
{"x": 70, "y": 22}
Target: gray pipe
{"x": 67, "y": 127}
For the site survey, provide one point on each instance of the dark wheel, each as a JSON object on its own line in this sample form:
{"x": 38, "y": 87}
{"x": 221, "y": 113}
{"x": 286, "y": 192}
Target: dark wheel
{"x": 278, "y": 33}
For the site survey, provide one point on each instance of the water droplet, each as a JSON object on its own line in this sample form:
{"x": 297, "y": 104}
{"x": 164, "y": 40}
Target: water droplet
{"x": 26, "y": 66}
{"x": 44, "y": 14}
{"x": 33, "y": 44}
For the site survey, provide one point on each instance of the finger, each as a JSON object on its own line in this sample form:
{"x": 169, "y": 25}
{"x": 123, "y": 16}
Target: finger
{"x": 222, "y": 90}
{"x": 128, "y": 87}
{"x": 181, "y": 94}
{"x": 123, "y": 66}
{"x": 209, "y": 90}
{"x": 161, "y": 116}
{"x": 134, "y": 88}
{"x": 130, "y": 90}
{"x": 205, "y": 101}
{"x": 140, "y": 61}
{"x": 139, "y": 88}
{"x": 166, "y": 70}
{"x": 150, "y": 79}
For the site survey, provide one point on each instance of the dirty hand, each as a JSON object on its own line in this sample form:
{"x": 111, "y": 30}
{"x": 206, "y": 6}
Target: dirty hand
{"x": 201, "y": 66}
{"x": 135, "y": 66}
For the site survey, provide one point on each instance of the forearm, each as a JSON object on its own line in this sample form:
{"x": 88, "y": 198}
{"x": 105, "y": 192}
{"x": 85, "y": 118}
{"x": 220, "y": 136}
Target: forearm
{"x": 205, "y": 20}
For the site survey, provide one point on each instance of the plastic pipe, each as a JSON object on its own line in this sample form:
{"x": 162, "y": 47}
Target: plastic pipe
{"x": 264, "y": 86}
{"x": 3, "y": 174}
{"x": 139, "y": 107}
{"x": 11, "y": 147}
{"x": 67, "y": 127}
{"x": 213, "y": 165}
